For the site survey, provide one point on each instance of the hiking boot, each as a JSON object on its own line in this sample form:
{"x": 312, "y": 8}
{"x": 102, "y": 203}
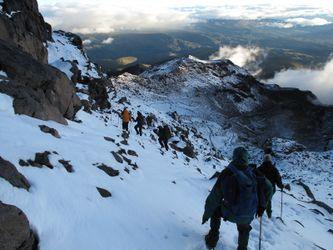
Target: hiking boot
{"x": 269, "y": 215}
{"x": 211, "y": 240}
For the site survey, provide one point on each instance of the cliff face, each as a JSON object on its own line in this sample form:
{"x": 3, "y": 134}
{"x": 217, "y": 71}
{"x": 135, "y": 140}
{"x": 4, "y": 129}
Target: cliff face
{"x": 39, "y": 90}
{"x": 22, "y": 24}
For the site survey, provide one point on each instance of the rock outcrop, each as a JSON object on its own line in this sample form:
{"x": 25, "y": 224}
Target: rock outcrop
{"x": 15, "y": 232}
{"x": 254, "y": 110}
{"x": 24, "y": 26}
{"x": 39, "y": 90}
{"x": 9, "y": 172}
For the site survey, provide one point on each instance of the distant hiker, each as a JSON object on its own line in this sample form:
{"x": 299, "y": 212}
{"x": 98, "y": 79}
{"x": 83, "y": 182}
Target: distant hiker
{"x": 239, "y": 194}
{"x": 268, "y": 147}
{"x": 150, "y": 120}
{"x": 164, "y": 134}
{"x": 140, "y": 121}
{"x": 268, "y": 169}
{"x": 126, "y": 116}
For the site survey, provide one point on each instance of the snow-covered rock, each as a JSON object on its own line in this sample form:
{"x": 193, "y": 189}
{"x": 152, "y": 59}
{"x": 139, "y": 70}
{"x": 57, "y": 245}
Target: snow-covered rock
{"x": 65, "y": 51}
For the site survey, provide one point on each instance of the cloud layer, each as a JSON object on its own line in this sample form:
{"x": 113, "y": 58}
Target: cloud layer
{"x": 105, "y": 16}
{"x": 320, "y": 81}
{"x": 108, "y": 40}
{"x": 239, "y": 55}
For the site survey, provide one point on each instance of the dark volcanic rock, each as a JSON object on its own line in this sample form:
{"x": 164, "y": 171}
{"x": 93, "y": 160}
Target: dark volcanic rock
{"x": 39, "y": 90}
{"x": 98, "y": 93}
{"x": 23, "y": 163}
{"x": 108, "y": 170}
{"x": 25, "y": 28}
{"x": 189, "y": 151}
{"x": 109, "y": 139}
{"x": 69, "y": 167}
{"x": 117, "y": 157}
{"x": 103, "y": 192}
{"x": 9, "y": 172}
{"x": 49, "y": 130}
{"x": 132, "y": 153}
{"x": 43, "y": 159}
{"x": 15, "y": 232}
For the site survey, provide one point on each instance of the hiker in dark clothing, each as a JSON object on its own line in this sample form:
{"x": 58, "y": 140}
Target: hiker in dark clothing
{"x": 164, "y": 134}
{"x": 150, "y": 120}
{"x": 140, "y": 121}
{"x": 268, "y": 169}
{"x": 239, "y": 194}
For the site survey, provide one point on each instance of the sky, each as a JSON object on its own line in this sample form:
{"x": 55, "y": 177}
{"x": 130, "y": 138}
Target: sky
{"x": 105, "y": 16}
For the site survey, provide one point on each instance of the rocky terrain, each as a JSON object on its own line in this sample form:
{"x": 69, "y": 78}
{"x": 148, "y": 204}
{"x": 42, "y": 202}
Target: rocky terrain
{"x": 79, "y": 183}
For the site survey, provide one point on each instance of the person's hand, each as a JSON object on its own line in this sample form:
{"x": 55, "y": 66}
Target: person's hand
{"x": 204, "y": 220}
{"x": 287, "y": 186}
{"x": 260, "y": 211}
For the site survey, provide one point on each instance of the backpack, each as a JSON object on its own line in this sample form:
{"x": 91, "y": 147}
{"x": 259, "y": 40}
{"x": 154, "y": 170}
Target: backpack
{"x": 240, "y": 207}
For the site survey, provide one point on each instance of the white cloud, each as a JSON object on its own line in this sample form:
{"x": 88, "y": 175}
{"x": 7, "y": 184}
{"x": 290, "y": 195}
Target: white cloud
{"x": 239, "y": 55}
{"x": 320, "y": 81}
{"x": 308, "y": 22}
{"x": 105, "y": 16}
{"x": 87, "y": 42}
{"x": 108, "y": 40}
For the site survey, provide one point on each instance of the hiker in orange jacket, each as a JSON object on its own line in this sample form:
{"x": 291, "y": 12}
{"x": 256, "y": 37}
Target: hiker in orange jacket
{"x": 126, "y": 116}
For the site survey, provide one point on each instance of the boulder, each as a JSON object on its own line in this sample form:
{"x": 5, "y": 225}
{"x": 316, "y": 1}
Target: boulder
{"x": 117, "y": 157}
{"x": 69, "y": 167}
{"x": 98, "y": 93}
{"x": 108, "y": 170}
{"x": 23, "y": 163}
{"x": 9, "y": 172}
{"x": 15, "y": 232}
{"x": 49, "y": 130}
{"x": 39, "y": 90}
{"x": 109, "y": 139}
{"x": 104, "y": 193}
{"x": 132, "y": 153}
{"x": 43, "y": 159}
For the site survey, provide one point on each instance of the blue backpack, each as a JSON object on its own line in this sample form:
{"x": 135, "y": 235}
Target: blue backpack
{"x": 240, "y": 207}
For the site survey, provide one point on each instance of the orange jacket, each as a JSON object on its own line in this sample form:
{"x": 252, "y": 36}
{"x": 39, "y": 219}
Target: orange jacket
{"x": 126, "y": 116}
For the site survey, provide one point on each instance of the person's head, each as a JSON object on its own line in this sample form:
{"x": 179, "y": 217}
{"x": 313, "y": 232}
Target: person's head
{"x": 267, "y": 158}
{"x": 240, "y": 157}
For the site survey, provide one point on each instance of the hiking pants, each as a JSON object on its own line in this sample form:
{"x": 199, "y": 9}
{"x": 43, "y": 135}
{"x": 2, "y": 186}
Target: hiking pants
{"x": 125, "y": 126}
{"x": 138, "y": 129}
{"x": 243, "y": 230}
{"x": 164, "y": 143}
{"x": 269, "y": 203}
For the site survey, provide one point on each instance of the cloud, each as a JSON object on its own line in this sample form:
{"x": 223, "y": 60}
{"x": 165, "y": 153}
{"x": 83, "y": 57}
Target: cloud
{"x": 87, "y": 42}
{"x": 319, "y": 81}
{"x": 106, "y": 16}
{"x": 308, "y": 22}
{"x": 108, "y": 40}
{"x": 241, "y": 56}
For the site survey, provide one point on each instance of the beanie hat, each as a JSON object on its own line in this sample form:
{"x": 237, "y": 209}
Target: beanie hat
{"x": 267, "y": 158}
{"x": 240, "y": 156}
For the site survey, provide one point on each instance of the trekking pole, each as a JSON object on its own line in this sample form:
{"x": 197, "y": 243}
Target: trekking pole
{"x": 281, "y": 202}
{"x": 260, "y": 232}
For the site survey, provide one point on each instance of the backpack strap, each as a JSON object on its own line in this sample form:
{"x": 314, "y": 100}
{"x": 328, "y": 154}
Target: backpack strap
{"x": 240, "y": 175}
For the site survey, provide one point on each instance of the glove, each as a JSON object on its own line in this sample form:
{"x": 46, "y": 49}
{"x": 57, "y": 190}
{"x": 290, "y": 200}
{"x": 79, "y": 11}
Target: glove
{"x": 204, "y": 220}
{"x": 287, "y": 186}
{"x": 260, "y": 211}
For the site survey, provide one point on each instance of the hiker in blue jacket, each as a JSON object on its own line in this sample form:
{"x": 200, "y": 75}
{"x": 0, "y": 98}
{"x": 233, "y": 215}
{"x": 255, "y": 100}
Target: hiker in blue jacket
{"x": 239, "y": 194}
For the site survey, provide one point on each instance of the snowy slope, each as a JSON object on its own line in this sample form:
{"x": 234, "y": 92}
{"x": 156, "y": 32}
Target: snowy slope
{"x": 157, "y": 206}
